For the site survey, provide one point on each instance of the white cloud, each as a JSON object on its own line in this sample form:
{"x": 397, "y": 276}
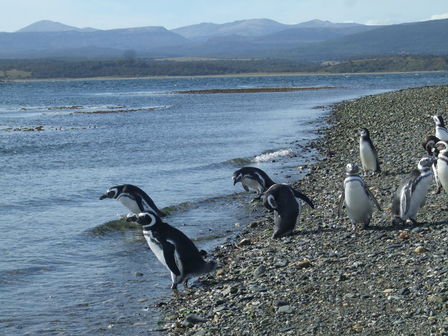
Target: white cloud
{"x": 439, "y": 16}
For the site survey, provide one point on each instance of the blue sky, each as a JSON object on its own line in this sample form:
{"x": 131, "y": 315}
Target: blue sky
{"x": 109, "y": 14}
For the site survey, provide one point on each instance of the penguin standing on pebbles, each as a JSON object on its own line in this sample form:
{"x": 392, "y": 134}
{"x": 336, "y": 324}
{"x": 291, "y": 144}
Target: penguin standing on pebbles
{"x": 442, "y": 164}
{"x": 133, "y": 198}
{"x": 430, "y": 146}
{"x": 286, "y": 204}
{"x": 441, "y": 131}
{"x": 173, "y": 249}
{"x": 411, "y": 195}
{"x": 253, "y": 179}
{"x": 367, "y": 152}
{"x": 358, "y": 198}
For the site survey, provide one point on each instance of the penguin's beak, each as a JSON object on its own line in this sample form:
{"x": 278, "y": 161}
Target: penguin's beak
{"x": 108, "y": 194}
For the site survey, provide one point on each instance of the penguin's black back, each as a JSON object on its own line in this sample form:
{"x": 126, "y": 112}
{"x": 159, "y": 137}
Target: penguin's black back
{"x": 251, "y": 170}
{"x": 188, "y": 253}
{"x": 134, "y": 190}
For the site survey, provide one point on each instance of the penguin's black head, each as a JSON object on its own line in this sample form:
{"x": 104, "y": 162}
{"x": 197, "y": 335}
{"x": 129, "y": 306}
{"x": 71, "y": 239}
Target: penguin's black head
{"x": 236, "y": 177}
{"x": 429, "y": 144}
{"x": 440, "y": 146}
{"x": 364, "y": 132}
{"x": 144, "y": 218}
{"x": 438, "y": 120}
{"x": 351, "y": 169}
{"x": 111, "y": 193}
{"x": 425, "y": 163}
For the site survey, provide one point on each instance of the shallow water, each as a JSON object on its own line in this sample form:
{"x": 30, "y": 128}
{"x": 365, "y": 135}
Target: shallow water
{"x": 68, "y": 267}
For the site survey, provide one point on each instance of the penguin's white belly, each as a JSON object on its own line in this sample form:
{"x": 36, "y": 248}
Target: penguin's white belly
{"x": 418, "y": 197}
{"x": 442, "y": 173}
{"x": 155, "y": 248}
{"x": 252, "y": 184}
{"x": 130, "y": 204}
{"x": 442, "y": 134}
{"x": 368, "y": 158}
{"x": 359, "y": 205}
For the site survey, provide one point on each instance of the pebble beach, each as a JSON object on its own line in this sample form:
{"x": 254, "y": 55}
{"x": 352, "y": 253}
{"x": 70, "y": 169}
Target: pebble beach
{"x": 327, "y": 279}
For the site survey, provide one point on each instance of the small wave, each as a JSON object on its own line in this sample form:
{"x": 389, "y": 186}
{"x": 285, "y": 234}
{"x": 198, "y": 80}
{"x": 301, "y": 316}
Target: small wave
{"x": 112, "y": 226}
{"x": 13, "y": 275}
{"x": 271, "y": 155}
{"x": 124, "y": 110}
{"x": 238, "y": 161}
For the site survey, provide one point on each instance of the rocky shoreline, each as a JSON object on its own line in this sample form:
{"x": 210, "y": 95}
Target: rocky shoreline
{"x": 327, "y": 279}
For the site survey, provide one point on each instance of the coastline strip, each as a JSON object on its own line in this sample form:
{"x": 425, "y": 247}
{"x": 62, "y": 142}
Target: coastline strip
{"x": 254, "y": 90}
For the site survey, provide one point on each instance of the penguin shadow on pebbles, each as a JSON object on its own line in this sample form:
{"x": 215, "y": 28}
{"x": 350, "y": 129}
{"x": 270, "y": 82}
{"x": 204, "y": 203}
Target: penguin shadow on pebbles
{"x": 285, "y": 202}
{"x": 173, "y": 249}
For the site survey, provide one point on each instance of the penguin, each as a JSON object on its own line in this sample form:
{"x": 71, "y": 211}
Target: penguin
{"x": 358, "y": 198}
{"x": 411, "y": 194}
{"x": 285, "y": 201}
{"x": 442, "y": 165}
{"x": 441, "y": 131}
{"x": 253, "y": 179}
{"x": 430, "y": 146}
{"x": 133, "y": 198}
{"x": 173, "y": 249}
{"x": 367, "y": 152}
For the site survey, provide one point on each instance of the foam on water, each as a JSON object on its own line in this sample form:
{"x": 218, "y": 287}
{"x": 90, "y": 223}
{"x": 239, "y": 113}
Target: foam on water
{"x": 269, "y": 156}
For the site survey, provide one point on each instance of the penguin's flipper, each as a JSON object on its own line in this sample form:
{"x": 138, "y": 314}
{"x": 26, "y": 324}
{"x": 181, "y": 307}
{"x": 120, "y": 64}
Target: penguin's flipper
{"x": 168, "y": 254}
{"x": 303, "y": 197}
{"x": 405, "y": 199}
{"x": 340, "y": 203}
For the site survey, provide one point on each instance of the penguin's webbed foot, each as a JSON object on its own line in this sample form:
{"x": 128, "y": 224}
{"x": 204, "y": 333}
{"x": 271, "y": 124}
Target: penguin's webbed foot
{"x": 412, "y": 221}
{"x": 396, "y": 221}
{"x": 439, "y": 189}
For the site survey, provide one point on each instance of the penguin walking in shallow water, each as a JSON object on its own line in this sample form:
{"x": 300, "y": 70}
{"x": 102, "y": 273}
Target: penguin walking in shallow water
{"x": 173, "y": 249}
{"x": 411, "y": 195}
{"x": 358, "y": 198}
{"x": 367, "y": 152}
{"x": 285, "y": 201}
{"x": 133, "y": 198}
{"x": 253, "y": 178}
{"x": 441, "y": 131}
{"x": 442, "y": 164}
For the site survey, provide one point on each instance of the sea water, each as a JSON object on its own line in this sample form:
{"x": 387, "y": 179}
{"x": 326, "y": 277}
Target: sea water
{"x": 68, "y": 266}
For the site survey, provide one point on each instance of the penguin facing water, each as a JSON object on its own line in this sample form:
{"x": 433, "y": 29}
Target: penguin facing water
{"x": 173, "y": 249}
{"x": 411, "y": 195}
{"x": 253, "y": 178}
{"x": 285, "y": 201}
{"x": 367, "y": 152}
{"x": 133, "y": 198}
{"x": 358, "y": 198}
{"x": 441, "y": 131}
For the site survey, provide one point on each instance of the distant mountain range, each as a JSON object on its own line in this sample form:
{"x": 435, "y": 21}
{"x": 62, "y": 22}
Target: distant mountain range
{"x": 314, "y": 40}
